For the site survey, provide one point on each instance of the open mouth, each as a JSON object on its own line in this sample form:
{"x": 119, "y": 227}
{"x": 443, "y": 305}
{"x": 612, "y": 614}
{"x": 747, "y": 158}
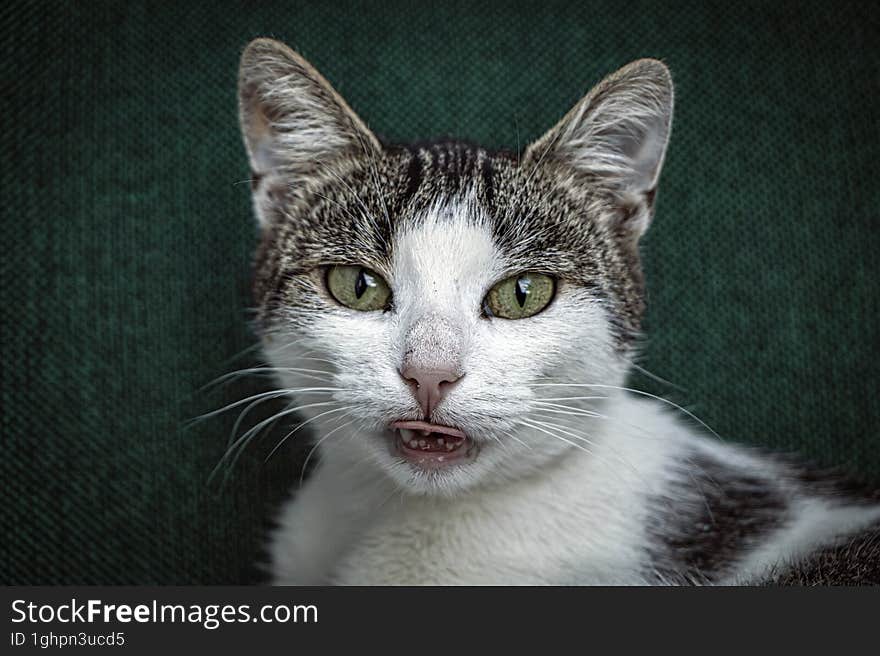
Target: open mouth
{"x": 431, "y": 446}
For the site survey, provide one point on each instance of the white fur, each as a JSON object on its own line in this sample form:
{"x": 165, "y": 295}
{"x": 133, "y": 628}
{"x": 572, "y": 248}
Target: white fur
{"x": 550, "y": 499}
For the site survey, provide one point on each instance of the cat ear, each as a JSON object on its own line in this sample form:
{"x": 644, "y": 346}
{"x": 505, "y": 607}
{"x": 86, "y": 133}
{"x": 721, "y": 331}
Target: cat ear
{"x": 616, "y": 136}
{"x": 292, "y": 120}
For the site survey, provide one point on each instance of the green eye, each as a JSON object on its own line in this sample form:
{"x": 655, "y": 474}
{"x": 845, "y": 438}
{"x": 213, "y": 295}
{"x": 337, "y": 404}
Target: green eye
{"x": 358, "y": 288}
{"x": 520, "y": 296}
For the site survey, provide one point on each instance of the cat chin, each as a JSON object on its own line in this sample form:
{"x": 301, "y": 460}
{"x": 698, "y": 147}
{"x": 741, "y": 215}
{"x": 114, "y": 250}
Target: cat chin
{"x": 423, "y": 467}
{"x": 448, "y": 482}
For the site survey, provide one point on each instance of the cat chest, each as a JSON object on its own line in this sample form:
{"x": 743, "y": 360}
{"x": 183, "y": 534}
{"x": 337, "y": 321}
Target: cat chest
{"x": 480, "y": 547}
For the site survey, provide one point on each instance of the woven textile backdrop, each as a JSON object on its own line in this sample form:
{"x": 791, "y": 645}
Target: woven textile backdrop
{"x": 127, "y": 237}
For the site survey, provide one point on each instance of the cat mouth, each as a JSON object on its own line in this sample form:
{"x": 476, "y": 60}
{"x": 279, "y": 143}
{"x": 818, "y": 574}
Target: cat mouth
{"x": 431, "y": 446}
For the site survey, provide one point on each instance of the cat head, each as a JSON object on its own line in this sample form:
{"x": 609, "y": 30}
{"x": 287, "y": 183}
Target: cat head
{"x": 450, "y": 315}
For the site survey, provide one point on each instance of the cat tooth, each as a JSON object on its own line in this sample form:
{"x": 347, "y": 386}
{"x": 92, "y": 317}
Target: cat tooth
{"x": 408, "y": 437}
{"x": 440, "y": 441}
{"x": 422, "y": 443}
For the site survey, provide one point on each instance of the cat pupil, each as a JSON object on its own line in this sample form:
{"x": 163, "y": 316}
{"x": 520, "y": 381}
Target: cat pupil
{"x": 522, "y": 290}
{"x": 360, "y": 285}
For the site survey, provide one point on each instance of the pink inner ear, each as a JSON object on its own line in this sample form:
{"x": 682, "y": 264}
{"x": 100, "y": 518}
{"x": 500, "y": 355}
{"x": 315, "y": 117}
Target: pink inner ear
{"x": 617, "y": 134}
{"x": 262, "y": 152}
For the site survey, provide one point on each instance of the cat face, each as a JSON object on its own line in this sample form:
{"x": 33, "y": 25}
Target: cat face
{"x": 428, "y": 301}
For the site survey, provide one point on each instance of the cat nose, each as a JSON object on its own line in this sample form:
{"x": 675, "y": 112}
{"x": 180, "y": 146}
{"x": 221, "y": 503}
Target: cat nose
{"x": 429, "y": 385}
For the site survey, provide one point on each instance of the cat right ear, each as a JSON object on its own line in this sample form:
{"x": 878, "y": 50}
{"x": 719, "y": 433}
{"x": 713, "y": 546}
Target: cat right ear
{"x": 616, "y": 137}
{"x": 292, "y": 120}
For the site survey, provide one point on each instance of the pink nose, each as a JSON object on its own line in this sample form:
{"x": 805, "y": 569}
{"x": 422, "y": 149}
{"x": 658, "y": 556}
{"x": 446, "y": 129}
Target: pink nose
{"x": 429, "y": 385}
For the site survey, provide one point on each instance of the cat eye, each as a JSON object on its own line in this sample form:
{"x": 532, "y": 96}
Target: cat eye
{"x": 358, "y": 288}
{"x": 520, "y": 296}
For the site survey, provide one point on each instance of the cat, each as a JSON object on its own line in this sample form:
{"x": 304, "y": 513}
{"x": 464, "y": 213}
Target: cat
{"x": 456, "y": 324}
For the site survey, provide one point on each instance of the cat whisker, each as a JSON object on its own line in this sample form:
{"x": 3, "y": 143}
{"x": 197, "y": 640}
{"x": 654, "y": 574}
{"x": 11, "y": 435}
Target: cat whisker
{"x": 501, "y": 444}
{"x": 290, "y": 344}
{"x": 270, "y": 394}
{"x": 236, "y": 447}
{"x": 528, "y": 424}
{"x": 306, "y": 423}
{"x": 306, "y": 356}
{"x": 268, "y": 430}
{"x": 556, "y": 408}
{"x": 396, "y": 491}
{"x": 570, "y": 398}
{"x": 635, "y": 391}
{"x": 250, "y": 349}
{"x": 240, "y": 373}
{"x": 567, "y": 430}
{"x": 312, "y": 451}
{"x": 655, "y": 377}
{"x": 242, "y": 415}
{"x": 638, "y": 472}
{"x": 512, "y": 436}
{"x": 609, "y": 418}
{"x": 235, "y": 450}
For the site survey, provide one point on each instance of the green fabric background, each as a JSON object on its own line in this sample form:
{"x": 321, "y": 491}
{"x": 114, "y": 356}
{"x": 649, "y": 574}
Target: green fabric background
{"x": 127, "y": 236}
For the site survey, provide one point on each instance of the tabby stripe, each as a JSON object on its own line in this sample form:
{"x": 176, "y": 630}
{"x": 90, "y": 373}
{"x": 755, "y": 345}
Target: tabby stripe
{"x": 414, "y": 176}
{"x": 488, "y": 173}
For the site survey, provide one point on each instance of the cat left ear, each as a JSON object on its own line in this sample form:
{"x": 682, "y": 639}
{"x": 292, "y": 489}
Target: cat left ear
{"x": 616, "y": 137}
{"x": 292, "y": 120}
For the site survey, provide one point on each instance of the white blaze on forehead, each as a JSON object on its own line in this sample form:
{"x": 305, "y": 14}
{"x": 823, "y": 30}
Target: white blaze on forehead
{"x": 443, "y": 263}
